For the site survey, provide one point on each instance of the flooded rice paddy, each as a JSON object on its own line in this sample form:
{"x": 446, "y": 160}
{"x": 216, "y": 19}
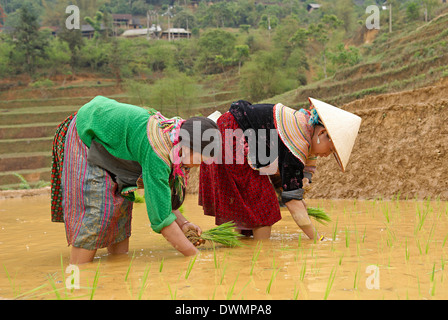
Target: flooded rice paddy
{"x": 372, "y": 250}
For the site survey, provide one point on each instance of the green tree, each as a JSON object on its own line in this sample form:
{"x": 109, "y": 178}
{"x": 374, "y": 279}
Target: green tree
{"x": 74, "y": 40}
{"x": 30, "y": 43}
{"x": 58, "y": 54}
{"x": 343, "y": 57}
{"x": 6, "y": 49}
{"x": 268, "y": 22}
{"x": 96, "y": 24}
{"x": 214, "y": 43}
{"x": 321, "y": 32}
{"x": 241, "y": 54}
{"x": 175, "y": 94}
{"x": 412, "y": 10}
{"x": 161, "y": 56}
{"x": 429, "y": 6}
{"x": 264, "y": 76}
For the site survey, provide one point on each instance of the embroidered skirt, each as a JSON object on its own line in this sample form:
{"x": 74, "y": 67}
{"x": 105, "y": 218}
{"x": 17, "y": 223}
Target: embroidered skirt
{"x": 236, "y": 192}
{"x": 95, "y": 214}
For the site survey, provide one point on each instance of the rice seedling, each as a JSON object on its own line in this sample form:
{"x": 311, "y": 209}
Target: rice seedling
{"x": 319, "y": 215}
{"x": 223, "y": 272}
{"x": 356, "y": 280}
{"x": 347, "y": 237}
{"x": 161, "y": 265}
{"x": 303, "y": 271}
{"x": 340, "y": 259}
{"x": 95, "y": 281}
{"x": 330, "y": 283}
{"x": 433, "y": 289}
{"x": 30, "y": 294}
{"x": 296, "y": 293}
{"x": 232, "y": 288}
{"x": 421, "y": 215}
{"x": 428, "y": 242}
{"x": 215, "y": 256}
{"x": 173, "y": 295}
{"x": 335, "y": 230}
{"x": 53, "y": 285}
{"x": 224, "y": 234}
{"x": 244, "y": 288}
{"x": 444, "y": 241}
{"x": 144, "y": 280}
{"x": 273, "y": 275}
{"x": 129, "y": 267}
{"x": 190, "y": 266}
{"x": 11, "y": 281}
{"x": 386, "y": 212}
{"x": 406, "y": 250}
{"x": 255, "y": 256}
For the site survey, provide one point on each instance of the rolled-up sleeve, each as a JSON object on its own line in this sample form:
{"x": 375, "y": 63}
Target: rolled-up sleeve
{"x": 291, "y": 172}
{"x": 158, "y": 195}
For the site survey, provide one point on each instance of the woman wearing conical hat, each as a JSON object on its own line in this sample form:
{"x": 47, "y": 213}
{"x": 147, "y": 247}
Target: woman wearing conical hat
{"x": 262, "y": 140}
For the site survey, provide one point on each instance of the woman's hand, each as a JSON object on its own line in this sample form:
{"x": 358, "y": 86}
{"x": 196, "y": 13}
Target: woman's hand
{"x": 299, "y": 213}
{"x": 187, "y": 226}
{"x": 306, "y": 185}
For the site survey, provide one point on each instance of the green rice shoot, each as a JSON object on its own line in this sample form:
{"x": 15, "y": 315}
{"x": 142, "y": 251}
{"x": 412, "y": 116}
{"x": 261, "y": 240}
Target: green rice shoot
{"x": 224, "y": 234}
{"x": 319, "y": 215}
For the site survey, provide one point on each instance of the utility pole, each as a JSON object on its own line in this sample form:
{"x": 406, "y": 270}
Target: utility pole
{"x": 269, "y": 26}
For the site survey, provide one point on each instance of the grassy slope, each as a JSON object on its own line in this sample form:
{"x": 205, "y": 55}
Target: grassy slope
{"x": 410, "y": 58}
{"x": 406, "y": 59}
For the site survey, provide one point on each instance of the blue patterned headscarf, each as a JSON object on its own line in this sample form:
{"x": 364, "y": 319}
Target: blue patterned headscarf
{"x": 314, "y": 117}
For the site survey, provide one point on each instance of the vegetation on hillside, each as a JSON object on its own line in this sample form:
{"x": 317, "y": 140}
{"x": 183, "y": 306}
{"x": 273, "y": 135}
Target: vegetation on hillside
{"x": 269, "y": 48}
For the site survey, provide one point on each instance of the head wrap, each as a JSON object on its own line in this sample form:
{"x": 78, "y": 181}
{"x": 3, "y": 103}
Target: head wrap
{"x": 295, "y": 128}
{"x": 179, "y": 174}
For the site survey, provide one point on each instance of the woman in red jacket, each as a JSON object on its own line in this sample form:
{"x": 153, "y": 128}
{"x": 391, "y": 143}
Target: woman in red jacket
{"x": 238, "y": 187}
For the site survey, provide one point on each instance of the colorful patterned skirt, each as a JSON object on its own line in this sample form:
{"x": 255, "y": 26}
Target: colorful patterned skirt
{"x": 236, "y": 192}
{"x": 95, "y": 214}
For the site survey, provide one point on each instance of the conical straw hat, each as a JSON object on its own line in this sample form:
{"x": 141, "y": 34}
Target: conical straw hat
{"x": 342, "y": 127}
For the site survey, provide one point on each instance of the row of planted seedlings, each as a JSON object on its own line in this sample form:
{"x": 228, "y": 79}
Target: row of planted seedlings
{"x": 405, "y": 240}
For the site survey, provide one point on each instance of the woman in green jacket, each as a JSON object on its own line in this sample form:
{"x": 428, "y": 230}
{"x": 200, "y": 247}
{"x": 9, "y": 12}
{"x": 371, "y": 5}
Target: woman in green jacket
{"x": 102, "y": 154}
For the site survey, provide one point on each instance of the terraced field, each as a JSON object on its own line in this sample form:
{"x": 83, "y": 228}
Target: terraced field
{"x": 29, "y": 117}
{"x": 411, "y": 58}
{"x": 408, "y": 59}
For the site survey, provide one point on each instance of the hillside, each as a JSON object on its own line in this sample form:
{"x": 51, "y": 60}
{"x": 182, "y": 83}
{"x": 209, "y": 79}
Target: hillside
{"x": 410, "y": 58}
{"x": 402, "y": 96}
{"x": 401, "y": 74}
{"x": 29, "y": 117}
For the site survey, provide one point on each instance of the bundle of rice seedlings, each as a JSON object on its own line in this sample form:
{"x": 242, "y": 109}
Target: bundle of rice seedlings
{"x": 319, "y": 215}
{"x": 224, "y": 234}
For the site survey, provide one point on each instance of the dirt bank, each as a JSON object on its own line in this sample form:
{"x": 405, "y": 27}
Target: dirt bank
{"x": 8, "y": 194}
{"x": 402, "y": 148}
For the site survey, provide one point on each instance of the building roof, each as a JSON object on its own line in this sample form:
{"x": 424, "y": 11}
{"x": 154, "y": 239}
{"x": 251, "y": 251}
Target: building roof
{"x": 314, "y": 6}
{"x": 176, "y": 30}
{"x": 122, "y": 16}
{"x": 140, "y": 32}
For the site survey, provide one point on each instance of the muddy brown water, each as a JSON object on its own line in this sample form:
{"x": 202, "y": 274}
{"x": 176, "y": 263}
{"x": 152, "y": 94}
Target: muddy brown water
{"x": 372, "y": 250}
